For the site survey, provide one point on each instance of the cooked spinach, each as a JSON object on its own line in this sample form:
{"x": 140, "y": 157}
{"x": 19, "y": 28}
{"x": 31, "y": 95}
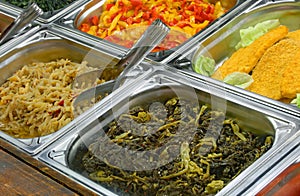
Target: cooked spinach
{"x": 45, "y": 5}
{"x": 191, "y": 149}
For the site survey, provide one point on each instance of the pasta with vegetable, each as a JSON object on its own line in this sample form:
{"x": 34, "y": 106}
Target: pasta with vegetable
{"x": 37, "y": 99}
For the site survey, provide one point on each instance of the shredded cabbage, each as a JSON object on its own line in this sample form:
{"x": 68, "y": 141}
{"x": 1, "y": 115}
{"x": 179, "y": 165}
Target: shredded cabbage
{"x": 250, "y": 34}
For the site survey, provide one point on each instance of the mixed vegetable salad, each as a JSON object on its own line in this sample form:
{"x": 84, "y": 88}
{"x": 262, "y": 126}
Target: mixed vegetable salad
{"x": 185, "y": 17}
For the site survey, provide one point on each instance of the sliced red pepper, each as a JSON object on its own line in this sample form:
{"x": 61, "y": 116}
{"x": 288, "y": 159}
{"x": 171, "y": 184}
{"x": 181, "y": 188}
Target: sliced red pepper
{"x": 123, "y": 18}
{"x": 61, "y": 103}
{"x": 95, "y": 20}
{"x": 136, "y": 3}
{"x": 198, "y": 10}
{"x": 137, "y": 9}
{"x": 138, "y": 20}
{"x": 114, "y": 15}
{"x": 209, "y": 9}
{"x": 183, "y": 3}
{"x": 109, "y": 5}
{"x": 185, "y": 16}
{"x": 174, "y": 22}
{"x": 55, "y": 113}
{"x": 192, "y": 7}
{"x": 123, "y": 8}
{"x": 154, "y": 13}
{"x": 129, "y": 20}
{"x": 182, "y": 24}
{"x": 84, "y": 27}
{"x": 121, "y": 4}
{"x": 146, "y": 15}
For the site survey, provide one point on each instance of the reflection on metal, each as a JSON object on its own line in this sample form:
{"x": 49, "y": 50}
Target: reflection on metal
{"x": 25, "y": 18}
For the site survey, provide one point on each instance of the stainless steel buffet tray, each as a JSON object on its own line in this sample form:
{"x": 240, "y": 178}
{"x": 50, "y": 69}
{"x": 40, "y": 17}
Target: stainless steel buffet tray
{"x": 220, "y": 44}
{"x": 73, "y": 20}
{"x": 46, "y": 17}
{"x": 49, "y": 44}
{"x": 64, "y": 155}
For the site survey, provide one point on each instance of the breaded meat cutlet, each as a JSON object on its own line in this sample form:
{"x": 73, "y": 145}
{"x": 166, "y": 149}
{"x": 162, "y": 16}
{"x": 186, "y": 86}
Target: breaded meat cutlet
{"x": 245, "y": 59}
{"x": 294, "y": 35}
{"x": 290, "y": 83}
{"x": 268, "y": 73}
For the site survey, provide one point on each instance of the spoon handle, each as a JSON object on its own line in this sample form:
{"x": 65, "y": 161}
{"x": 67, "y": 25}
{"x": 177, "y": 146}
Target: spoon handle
{"x": 28, "y": 15}
{"x": 153, "y": 35}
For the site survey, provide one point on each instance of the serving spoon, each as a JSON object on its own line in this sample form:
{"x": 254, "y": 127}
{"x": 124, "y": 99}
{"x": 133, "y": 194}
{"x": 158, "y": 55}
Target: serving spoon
{"x": 153, "y": 35}
{"x": 22, "y": 21}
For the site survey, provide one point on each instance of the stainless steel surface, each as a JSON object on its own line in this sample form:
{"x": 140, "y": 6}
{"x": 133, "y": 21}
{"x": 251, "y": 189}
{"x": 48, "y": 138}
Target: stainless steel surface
{"x": 74, "y": 19}
{"x": 21, "y": 22}
{"x": 64, "y": 155}
{"x": 44, "y": 45}
{"x": 220, "y": 44}
{"x": 60, "y": 39}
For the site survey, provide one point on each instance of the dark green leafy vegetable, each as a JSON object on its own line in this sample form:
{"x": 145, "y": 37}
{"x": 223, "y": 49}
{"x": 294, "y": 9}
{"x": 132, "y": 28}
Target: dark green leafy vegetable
{"x": 186, "y": 149}
{"x": 45, "y": 5}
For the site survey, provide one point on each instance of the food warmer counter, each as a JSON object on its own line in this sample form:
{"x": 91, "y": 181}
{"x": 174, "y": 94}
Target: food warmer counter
{"x": 168, "y": 145}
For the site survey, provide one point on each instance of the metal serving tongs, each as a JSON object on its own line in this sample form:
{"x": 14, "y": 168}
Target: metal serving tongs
{"x": 26, "y": 17}
{"x": 153, "y": 35}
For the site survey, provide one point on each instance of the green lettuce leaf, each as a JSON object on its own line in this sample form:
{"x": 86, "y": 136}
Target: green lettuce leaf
{"x": 250, "y": 34}
{"x": 239, "y": 79}
{"x": 204, "y": 65}
{"x": 296, "y": 101}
